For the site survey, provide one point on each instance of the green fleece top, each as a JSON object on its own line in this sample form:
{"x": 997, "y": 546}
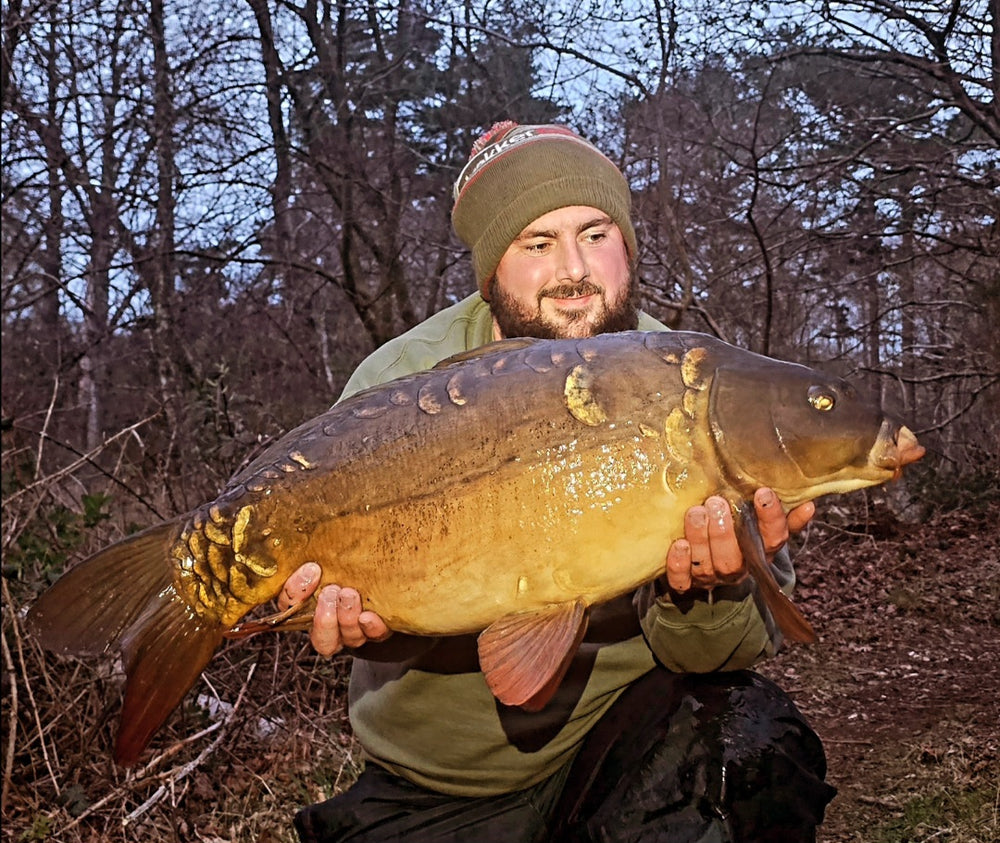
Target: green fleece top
{"x": 421, "y": 707}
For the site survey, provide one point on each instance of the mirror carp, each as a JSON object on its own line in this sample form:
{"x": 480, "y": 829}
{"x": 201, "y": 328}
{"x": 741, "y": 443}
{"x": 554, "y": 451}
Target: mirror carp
{"x": 503, "y": 493}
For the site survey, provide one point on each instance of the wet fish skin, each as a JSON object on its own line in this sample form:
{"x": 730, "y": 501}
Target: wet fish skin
{"x": 532, "y": 477}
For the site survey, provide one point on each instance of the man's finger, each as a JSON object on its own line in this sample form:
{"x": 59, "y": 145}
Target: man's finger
{"x": 373, "y": 626}
{"x": 325, "y": 632}
{"x": 727, "y": 560}
{"x": 770, "y": 520}
{"x": 800, "y": 516}
{"x": 679, "y": 566}
{"x": 300, "y": 585}
{"x": 696, "y": 532}
{"x": 348, "y": 612}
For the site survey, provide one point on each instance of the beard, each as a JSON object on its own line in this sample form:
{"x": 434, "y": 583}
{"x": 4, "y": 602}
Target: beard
{"x": 519, "y": 319}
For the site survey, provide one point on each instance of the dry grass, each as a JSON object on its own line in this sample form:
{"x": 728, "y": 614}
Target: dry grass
{"x": 264, "y": 732}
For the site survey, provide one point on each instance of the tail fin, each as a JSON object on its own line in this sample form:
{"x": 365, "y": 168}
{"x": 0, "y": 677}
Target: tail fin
{"x": 164, "y": 655}
{"x": 90, "y": 607}
{"x": 123, "y": 598}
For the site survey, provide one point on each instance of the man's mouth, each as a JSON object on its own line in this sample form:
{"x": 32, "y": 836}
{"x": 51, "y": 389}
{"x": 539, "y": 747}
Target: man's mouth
{"x": 571, "y": 292}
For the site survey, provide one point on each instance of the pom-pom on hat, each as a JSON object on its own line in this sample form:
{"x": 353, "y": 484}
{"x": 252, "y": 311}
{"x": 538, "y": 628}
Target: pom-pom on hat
{"x": 518, "y": 173}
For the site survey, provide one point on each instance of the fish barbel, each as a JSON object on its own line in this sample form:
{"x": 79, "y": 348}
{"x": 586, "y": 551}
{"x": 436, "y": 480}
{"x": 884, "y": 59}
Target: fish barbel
{"x": 504, "y": 491}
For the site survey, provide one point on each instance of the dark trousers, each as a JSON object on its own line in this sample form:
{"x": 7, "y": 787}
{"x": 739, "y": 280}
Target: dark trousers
{"x": 716, "y": 758}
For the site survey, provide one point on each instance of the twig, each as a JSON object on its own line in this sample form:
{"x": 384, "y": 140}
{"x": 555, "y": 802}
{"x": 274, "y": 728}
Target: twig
{"x": 84, "y": 459}
{"x": 161, "y": 791}
{"x": 879, "y": 800}
{"x": 45, "y": 426}
{"x": 171, "y": 777}
{"x": 8, "y": 766}
{"x": 177, "y": 775}
{"x": 172, "y": 750}
{"x": 27, "y": 686}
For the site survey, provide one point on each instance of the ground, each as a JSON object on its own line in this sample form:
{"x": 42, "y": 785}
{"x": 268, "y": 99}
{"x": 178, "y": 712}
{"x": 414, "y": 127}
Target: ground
{"x": 903, "y": 686}
{"x": 904, "y": 683}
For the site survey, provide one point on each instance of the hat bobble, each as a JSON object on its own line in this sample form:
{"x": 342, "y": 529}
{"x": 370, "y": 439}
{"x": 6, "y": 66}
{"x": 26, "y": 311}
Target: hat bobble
{"x": 517, "y": 173}
{"x": 488, "y": 136}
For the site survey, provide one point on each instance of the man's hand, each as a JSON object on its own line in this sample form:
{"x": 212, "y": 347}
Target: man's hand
{"x": 338, "y": 621}
{"x": 709, "y": 554}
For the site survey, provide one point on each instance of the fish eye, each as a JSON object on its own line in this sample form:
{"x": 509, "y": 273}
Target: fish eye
{"x": 821, "y": 398}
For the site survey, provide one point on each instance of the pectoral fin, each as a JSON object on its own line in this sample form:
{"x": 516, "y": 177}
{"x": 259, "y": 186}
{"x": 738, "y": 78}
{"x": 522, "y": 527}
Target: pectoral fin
{"x": 785, "y": 613}
{"x": 525, "y": 656}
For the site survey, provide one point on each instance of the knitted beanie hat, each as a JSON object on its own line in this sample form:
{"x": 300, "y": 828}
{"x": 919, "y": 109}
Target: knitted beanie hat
{"x": 518, "y": 173}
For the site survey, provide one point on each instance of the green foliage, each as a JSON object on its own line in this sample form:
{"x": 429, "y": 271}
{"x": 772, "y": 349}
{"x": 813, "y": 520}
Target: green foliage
{"x": 333, "y": 777}
{"x": 41, "y": 828}
{"x": 51, "y": 535}
{"x": 93, "y": 509}
{"x": 946, "y": 815}
{"x": 74, "y": 800}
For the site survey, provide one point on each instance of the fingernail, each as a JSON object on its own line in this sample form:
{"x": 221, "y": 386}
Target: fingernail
{"x": 717, "y": 510}
{"x": 765, "y": 497}
{"x": 310, "y": 572}
{"x": 699, "y": 518}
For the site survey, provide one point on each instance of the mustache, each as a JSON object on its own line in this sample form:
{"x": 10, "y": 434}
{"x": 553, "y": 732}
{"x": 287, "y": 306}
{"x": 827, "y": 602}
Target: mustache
{"x": 568, "y": 290}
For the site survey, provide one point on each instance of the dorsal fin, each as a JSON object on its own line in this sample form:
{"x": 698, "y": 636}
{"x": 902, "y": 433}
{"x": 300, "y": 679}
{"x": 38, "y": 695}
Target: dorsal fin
{"x": 524, "y": 656}
{"x": 488, "y": 349}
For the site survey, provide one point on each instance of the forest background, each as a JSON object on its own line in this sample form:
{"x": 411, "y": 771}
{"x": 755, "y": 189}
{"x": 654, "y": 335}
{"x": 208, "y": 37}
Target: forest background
{"x": 212, "y": 211}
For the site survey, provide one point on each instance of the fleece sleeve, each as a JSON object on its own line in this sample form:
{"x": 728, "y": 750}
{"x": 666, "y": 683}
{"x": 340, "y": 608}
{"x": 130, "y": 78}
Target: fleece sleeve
{"x": 730, "y": 630}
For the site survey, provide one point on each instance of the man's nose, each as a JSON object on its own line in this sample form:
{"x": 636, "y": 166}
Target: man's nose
{"x": 572, "y": 262}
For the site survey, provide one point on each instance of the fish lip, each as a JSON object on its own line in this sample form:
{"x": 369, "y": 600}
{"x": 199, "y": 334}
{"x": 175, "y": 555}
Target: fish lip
{"x": 895, "y": 446}
{"x": 910, "y": 450}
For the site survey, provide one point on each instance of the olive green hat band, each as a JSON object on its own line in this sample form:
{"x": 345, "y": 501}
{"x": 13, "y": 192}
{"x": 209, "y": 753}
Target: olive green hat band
{"x": 518, "y": 173}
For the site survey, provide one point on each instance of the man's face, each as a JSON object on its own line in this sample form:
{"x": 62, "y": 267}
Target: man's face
{"x": 565, "y": 275}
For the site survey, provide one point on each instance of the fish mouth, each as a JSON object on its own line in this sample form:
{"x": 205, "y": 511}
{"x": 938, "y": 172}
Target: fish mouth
{"x": 895, "y": 447}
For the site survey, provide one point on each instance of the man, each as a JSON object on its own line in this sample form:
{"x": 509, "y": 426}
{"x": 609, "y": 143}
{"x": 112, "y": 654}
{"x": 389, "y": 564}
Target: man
{"x": 657, "y": 732}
